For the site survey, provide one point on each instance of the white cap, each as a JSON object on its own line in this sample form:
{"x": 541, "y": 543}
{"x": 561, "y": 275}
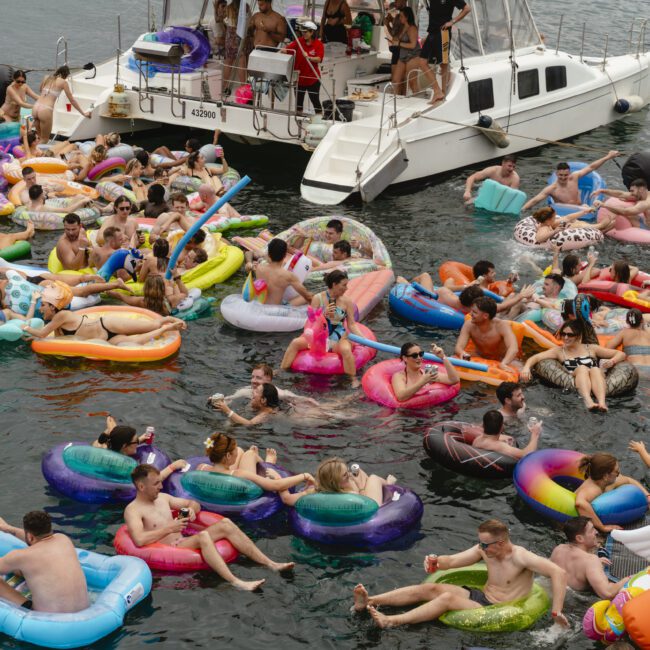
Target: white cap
{"x": 308, "y": 24}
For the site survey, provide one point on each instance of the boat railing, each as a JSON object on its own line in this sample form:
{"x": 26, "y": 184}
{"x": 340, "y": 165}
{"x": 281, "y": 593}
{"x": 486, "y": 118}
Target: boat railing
{"x": 61, "y": 49}
{"x": 392, "y": 119}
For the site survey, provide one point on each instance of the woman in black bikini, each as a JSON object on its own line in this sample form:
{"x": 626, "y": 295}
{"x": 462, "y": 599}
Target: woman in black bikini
{"x": 336, "y": 17}
{"x": 110, "y": 328}
{"x": 582, "y": 360}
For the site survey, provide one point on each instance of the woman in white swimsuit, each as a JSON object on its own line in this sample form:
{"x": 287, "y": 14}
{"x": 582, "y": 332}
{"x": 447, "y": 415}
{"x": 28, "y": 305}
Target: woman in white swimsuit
{"x": 43, "y": 110}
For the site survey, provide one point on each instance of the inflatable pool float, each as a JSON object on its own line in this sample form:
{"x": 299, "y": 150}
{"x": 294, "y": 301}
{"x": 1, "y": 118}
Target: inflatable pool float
{"x": 16, "y": 251}
{"x": 70, "y": 346}
{"x": 122, "y": 150}
{"x": 420, "y": 306}
{"x": 607, "y": 620}
{"x": 219, "y": 223}
{"x": 94, "y": 475}
{"x": 356, "y": 520}
{"x": 567, "y": 239}
{"x": 538, "y": 478}
{"x": 110, "y": 191}
{"x": 618, "y": 293}
{"x": 623, "y": 230}
{"x": 68, "y": 189}
{"x": 175, "y": 559}
{"x": 620, "y": 380}
{"x": 510, "y": 616}
{"x": 227, "y": 495}
{"x": 450, "y": 444}
{"x": 259, "y": 317}
{"x": 106, "y": 167}
{"x": 463, "y": 274}
{"x": 45, "y": 165}
{"x": 589, "y": 183}
{"x": 501, "y": 199}
{"x": 115, "y": 585}
{"x": 376, "y": 383}
{"x": 52, "y": 220}
{"x": 637, "y": 540}
{"x": 199, "y": 308}
{"x": 317, "y": 360}
{"x": 6, "y": 206}
{"x": 12, "y": 330}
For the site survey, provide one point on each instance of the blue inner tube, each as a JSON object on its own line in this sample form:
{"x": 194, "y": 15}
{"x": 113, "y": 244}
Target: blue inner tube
{"x": 587, "y": 184}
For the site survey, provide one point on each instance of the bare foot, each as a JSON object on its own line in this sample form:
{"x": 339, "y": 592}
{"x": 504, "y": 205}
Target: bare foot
{"x": 168, "y": 327}
{"x": 603, "y": 408}
{"x": 282, "y": 566}
{"x": 391, "y": 480}
{"x": 271, "y": 456}
{"x": 254, "y": 448}
{"x": 401, "y": 280}
{"x": 355, "y": 382}
{"x": 437, "y": 97}
{"x": 123, "y": 285}
{"x": 381, "y": 620}
{"x": 360, "y": 598}
{"x": 248, "y": 585}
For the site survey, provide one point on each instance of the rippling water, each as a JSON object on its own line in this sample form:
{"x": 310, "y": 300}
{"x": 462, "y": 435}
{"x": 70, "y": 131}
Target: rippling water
{"x": 43, "y": 401}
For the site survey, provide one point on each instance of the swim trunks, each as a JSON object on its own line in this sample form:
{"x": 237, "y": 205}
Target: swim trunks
{"x": 28, "y": 604}
{"x": 478, "y": 597}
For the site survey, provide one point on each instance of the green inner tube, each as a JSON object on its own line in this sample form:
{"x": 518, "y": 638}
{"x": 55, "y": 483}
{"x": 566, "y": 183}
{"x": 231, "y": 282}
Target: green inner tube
{"x": 16, "y": 251}
{"x": 99, "y": 463}
{"x": 221, "y": 488}
{"x": 511, "y": 616}
{"x": 341, "y": 509}
{"x": 621, "y": 379}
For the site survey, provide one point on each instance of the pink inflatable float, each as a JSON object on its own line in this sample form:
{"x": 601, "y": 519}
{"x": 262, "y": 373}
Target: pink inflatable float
{"x": 317, "y": 360}
{"x": 377, "y": 386}
{"x": 623, "y": 230}
{"x": 106, "y": 167}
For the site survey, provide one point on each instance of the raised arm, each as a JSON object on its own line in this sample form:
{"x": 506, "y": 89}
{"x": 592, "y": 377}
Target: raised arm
{"x": 557, "y": 575}
{"x": 538, "y": 197}
{"x": 459, "y": 560}
{"x": 595, "y": 165}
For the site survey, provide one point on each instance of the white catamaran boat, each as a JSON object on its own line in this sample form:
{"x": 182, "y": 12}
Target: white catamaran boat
{"x": 503, "y": 77}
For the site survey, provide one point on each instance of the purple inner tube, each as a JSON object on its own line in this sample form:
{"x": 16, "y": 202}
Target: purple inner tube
{"x": 92, "y": 490}
{"x": 393, "y": 519}
{"x": 199, "y": 44}
{"x": 261, "y": 508}
{"x": 450, "y": 444}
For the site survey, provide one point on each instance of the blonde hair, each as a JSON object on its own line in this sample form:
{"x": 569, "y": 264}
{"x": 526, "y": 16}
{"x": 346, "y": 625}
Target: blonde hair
{"x": 98, "y": 154}
{"x": 112, "y": 139}
{"x": 131, "y": 165}
{"x": 495, "y": 528}
{"x": 329, "y": 475}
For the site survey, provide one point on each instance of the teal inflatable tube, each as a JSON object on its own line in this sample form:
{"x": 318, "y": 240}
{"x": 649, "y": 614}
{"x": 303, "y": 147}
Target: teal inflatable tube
{"x": 393, "y": 349}
{"x": 119, "y": 583}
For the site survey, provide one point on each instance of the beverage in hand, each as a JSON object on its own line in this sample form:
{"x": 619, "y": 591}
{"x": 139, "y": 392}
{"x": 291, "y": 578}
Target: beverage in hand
{"x": 149, "y": 435}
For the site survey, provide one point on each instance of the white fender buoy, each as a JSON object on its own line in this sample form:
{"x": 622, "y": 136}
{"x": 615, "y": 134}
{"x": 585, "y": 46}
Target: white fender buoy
{"x": 496, "y": 134}
{"x": 631, "y": 104}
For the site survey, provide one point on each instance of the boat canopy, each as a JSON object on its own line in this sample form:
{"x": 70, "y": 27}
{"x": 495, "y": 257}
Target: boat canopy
{"x": 184, "y": 13}
{"x": 486, "y": 30}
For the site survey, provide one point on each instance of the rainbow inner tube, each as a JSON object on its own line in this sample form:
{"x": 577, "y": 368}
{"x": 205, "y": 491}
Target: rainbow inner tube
{"x": 539, "y": 478}
{"x": 354, "y": 519}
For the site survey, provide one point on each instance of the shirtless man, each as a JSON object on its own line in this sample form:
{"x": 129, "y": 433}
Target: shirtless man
{"x": 209, "y": 196}
{"x": 178, "y": 215}
{"x": 565, "y": 189}
{"x": 277, "y": 278}
{"x": 36, "y": 202}
{"x": 333, "y": 234}
{"x": 578, "y": 558}
{"x": 493, "y": 339}
{"x": 633, "y": 213}
{"x": 113, "y": 241}
{"x": 49, "y": 565}
{"x": 504, "y": 173}
{"x": 513, "y": 403}
{"x": 9, "y": 239}
{"x": 149, "y": 520}
{"x": 549, "y": 299}
{"x": 341, "y": 253}
{"x": 267, "y": 27}
{"x": 510, "y": 569}
{"x": 122, "y": 219}
{"x": 493, "y": 438}
{"x": 31, "y": 179}
{"x": 73, "y": 246}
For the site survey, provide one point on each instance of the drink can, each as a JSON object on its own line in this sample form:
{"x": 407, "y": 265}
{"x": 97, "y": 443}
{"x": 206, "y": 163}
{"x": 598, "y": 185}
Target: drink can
{"x": 218, "y": 150}
{"x": 149, "y": 435}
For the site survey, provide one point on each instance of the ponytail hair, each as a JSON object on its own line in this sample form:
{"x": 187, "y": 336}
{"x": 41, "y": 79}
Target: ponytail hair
{"x": 596, "y": 466}
{"x": 634, "y": 318}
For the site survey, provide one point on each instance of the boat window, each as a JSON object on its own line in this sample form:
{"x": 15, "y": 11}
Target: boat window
{"x": 481, "y": 95}
{"x": 555, "y": 78}
{"x": 528, "y": 83}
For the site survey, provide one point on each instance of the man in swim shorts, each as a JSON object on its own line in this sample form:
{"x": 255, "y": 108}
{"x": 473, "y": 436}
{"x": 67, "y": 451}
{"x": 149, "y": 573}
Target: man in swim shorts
{"x": 578, "y": 558}
{"x": 436, "y": 46}
{"x": 565, "y": 189}
{"x": 513, "y": 403}
{"x": 492, "y": 337}
{"x": 149, "y": 520}
{"x": 510, "y": 568}
{"x": 633, "y": 213}
{"x": 504, "y": 173}
{"x": 49, "y": 565}
{"x": 493, "y": 438}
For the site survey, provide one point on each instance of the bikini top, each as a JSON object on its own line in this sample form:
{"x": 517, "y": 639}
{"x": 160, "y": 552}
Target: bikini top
{"x": 587, "y": 361}
{"x": 49, "y": 91}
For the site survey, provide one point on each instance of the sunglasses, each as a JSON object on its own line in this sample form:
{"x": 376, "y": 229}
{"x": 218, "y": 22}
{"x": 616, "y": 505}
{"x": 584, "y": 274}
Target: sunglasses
{"x": 415, "y": 355}
{"x": 485, "y": 545}
{"x": 20, "y": 83}
{"x": 568, "y": 335}
{"x": 124, "y": 208}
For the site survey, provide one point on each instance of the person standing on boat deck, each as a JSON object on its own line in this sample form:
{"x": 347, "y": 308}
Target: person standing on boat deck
{"x": 436, "y": 46}
{"x": 268, "y": 27}
{"x": 336, "y": 19}
{"x": 309, "y": 53}
{"x": 504, "y": 173}
{"x": 394, "y": 27}
{"x": 565, "y": 189}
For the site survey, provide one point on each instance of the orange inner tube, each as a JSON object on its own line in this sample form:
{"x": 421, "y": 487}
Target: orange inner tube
{"x": 463, "y": 274}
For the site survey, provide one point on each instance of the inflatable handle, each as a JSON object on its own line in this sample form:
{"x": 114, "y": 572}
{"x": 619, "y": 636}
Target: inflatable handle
{"x": 201, "y": 221}
{"x": 392, "y": 349}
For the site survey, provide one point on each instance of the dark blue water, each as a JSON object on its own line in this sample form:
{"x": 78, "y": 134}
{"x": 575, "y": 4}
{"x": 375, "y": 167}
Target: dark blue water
{"x": 44, "y": 401}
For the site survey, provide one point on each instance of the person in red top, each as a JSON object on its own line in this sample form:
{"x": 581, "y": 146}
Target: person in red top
{"x": 309, "y": 53}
